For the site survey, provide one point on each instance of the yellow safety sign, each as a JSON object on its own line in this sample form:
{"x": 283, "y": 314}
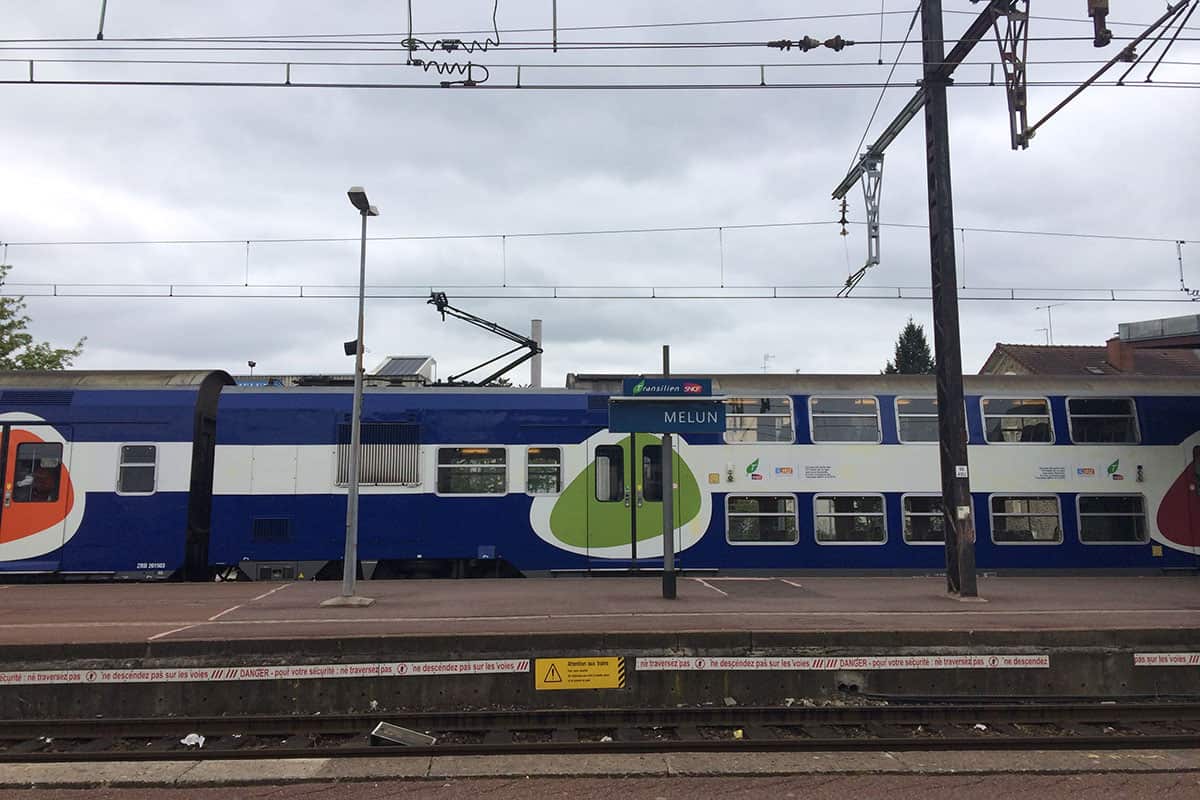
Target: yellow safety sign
{"x": 584, "y": 672}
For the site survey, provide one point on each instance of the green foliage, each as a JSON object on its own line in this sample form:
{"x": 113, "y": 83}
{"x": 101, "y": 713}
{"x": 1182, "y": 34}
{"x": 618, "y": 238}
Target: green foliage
{"x": 912, "y": 356}
{"x": 18, "y": 350}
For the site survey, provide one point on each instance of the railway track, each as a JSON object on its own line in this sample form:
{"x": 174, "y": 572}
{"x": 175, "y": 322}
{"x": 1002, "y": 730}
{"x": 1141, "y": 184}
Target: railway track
{"x": 986, "y": 726}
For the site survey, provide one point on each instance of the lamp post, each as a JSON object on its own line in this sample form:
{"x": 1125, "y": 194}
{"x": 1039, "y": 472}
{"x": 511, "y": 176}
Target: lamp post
{"x": 358, "y": 197}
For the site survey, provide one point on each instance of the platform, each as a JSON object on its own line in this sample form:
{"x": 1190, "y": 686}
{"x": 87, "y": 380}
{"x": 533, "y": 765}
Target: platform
{"x": 427, "y": 644}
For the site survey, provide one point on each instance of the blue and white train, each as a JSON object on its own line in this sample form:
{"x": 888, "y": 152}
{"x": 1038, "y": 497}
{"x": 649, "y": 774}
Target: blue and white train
{"x": 159, "y": 475}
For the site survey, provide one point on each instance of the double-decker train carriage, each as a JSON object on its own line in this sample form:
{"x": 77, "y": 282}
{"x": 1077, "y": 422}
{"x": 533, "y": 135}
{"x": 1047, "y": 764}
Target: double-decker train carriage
{"x": 153, "y": 475}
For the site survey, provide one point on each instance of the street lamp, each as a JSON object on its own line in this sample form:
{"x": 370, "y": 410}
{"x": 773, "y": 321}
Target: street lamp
{"x": 358, "y": 198}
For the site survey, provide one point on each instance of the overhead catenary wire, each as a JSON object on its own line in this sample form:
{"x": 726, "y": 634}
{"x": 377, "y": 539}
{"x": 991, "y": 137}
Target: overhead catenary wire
{"x": 288, "y": 82}
{"x": 297, "y": 291}
{"x": 887, "y": 82}
{"x": 561, "y": 28}
{"x": 582, "y": 232}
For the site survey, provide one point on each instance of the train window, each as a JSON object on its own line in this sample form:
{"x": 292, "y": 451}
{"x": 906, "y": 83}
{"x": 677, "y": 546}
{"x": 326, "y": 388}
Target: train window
{"x": 472, "y": 470}
{"x": 543, "y": 470}
{"x": 761, "y": 519}
{"x": 37, "y": 473}
{"x": 923, "y": 519}
{"x": 1025, "y": 420}
{"x": 1026, "y": 519}
{"x": 136, "y": 473}
{"x": 390, "y": 454}
{"x": 917, "y": 419}
{"x": 759, "y": 419}
{"x": 845, "y": 419}
{"x": 652, "y": 473}
{"x": 1112, "y": 519}
{"x": 610, "y": 473}
{"x": 850, "y": 519}
{"x": 1102, "y": 420}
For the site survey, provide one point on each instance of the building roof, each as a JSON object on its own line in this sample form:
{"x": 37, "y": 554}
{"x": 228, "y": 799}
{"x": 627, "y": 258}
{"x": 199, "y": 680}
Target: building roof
{"x": 1092, "y": 360}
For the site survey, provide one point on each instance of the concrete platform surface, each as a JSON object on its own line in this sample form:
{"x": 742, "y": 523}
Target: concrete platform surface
{"x": 315, "y": 770}
{"x": 131, "y": 613}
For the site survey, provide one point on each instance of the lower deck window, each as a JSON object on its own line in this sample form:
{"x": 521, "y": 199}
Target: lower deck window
{"x": 37, "y": 473}
{"x": 471, "y": 470}
{"x": 1026, "y": 519}
{"x": 761, "y": 519}
{"x": 850, "y": 519}
{"x": 1112, "y": 519}
{"x": 923, "y": 519}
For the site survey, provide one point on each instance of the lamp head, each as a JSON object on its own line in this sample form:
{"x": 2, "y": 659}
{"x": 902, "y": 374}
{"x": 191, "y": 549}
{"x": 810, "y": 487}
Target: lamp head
{"x": 358, "y": 197}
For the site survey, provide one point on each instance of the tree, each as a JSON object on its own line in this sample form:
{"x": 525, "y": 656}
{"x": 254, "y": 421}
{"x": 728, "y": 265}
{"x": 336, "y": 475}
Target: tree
{"x": 912, "y": 352}
{"x": 18, "y": 350}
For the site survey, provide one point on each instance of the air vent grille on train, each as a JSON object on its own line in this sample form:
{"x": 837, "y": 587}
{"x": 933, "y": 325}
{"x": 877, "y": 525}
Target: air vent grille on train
{"x": 35, "y": 397}
{"x": 272, "y": 529}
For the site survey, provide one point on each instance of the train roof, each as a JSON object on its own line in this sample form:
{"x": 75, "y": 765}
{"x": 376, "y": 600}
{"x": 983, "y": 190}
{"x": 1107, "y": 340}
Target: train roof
{"x": 765, "y": 383}
{"x": 114, "y": 379}
{"x": 611, "y": 383}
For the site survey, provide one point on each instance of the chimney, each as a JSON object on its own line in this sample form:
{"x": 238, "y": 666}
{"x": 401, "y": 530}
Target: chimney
{"x": 535, "y": 363}
{"x": 1120, "y": 355}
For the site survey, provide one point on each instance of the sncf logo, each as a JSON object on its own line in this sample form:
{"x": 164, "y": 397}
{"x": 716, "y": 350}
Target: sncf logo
{"x": 692, "y": 388}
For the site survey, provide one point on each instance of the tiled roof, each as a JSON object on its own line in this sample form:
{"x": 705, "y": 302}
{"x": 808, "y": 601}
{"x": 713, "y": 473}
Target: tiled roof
{"x": 1093, "y": 360}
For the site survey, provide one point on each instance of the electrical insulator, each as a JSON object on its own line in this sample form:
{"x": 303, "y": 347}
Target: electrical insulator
{"x": 843, "y": 221}
{"x": 1098, "y": 11}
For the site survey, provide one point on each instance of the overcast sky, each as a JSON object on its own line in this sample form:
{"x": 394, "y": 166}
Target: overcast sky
{"x": 92, "y": 163}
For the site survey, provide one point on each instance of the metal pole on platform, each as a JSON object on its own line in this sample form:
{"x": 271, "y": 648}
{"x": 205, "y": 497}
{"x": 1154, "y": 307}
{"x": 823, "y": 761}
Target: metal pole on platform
{"x": 358, "y": 197}
{"x": 668, "y": 496}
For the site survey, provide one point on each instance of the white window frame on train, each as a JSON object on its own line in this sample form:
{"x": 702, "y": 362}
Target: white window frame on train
{"x": 1080, "y": 515}
{"x": 984, "y": 417}
{"x": 479, "y": 468}
{"x": 789, "y": 415}
{"x": 905, "y": 514}
{"x": 1132, "y": 416}
{"x": 545, "y": 467}
{"x": 812, "y": 415}
{"x": 794, "y": 514}
{"x": 390, "y": 464}
{"x": 122, "y": 465}
{"x": 1019, "y": 495}
{"x": 882, "y": 516}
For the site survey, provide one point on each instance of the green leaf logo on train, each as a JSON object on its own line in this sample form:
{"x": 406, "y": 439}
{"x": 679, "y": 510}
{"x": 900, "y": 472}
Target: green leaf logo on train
{"x": 592, "y": 516}
{"x": 639, "y": 386}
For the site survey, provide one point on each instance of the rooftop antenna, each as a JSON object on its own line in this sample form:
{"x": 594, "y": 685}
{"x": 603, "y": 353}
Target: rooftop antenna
{"x": 767, "y": 357}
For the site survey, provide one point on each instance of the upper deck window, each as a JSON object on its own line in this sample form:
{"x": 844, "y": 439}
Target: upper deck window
{"x": 1102, "y": 420}
{"x": 917, "y": 419}
{"x": 136, "y": 472}
{"x": 472, "y": 470}
{"x": 845, "y": 419}
{"x": 759, "y": 419}
{"x": 1012, "y": 420}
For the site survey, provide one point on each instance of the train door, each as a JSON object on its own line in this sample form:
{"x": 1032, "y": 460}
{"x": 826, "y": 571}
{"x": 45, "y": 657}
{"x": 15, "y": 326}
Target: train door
{"x": 37, "y": 498}
{"x": 624, "y": 520}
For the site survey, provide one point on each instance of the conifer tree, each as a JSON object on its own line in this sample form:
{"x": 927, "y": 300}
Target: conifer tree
{"x": 912, "y": 356}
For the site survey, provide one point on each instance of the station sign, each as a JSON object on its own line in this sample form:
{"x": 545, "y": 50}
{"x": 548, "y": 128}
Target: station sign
{"x": 668, "y": 387}
{"x": 666, "y": 416}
